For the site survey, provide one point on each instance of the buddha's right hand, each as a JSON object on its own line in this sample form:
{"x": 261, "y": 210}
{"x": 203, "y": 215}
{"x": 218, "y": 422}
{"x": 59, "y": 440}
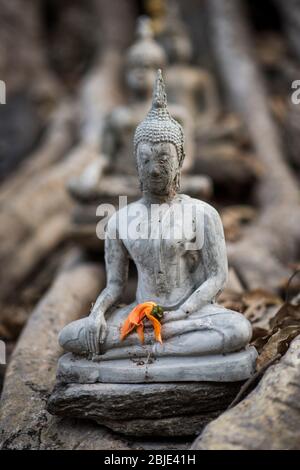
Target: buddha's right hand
{"x": 174, "y": 315}
{"x": 95, "y": 332}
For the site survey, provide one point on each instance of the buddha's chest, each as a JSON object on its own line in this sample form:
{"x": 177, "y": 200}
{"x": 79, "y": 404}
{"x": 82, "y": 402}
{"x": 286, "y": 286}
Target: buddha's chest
{"x": 161, "y": 240}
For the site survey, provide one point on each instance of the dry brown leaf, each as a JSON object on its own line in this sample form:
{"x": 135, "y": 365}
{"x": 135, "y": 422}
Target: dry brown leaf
{"x": 278, "y": 343}
{"x": 255, "y": 295}
{"x": 257, "y": 302}
{"x": 285, "y": 327}
{"x": 287, "y": 315}
{"x": 258, "y": 306}
{"x": 259, "y": 332}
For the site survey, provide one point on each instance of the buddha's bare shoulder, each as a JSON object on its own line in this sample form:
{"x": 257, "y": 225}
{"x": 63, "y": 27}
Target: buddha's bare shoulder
{"x": 199, "y": 204}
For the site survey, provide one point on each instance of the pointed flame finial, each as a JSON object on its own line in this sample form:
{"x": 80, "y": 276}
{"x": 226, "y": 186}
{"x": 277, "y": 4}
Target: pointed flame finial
{"x": 159, "y": 99}
{"x": 159, "y": 126}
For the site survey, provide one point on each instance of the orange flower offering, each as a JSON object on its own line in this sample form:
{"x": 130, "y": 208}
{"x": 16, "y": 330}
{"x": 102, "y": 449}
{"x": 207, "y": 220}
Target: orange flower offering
{"x": 135, "y": 320}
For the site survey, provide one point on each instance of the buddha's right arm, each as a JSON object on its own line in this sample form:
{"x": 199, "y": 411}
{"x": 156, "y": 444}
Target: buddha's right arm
{"x": 100, "y": 142}
{"x": 116, "y": 262}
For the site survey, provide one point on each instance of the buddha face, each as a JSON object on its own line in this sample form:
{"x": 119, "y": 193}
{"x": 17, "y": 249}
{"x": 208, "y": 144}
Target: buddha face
{"x": 141, "y": 76}
{"x": 158, "y": 167}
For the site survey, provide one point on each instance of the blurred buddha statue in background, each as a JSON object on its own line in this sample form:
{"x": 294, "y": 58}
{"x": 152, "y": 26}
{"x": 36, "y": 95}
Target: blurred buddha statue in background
{"x": 188, "y": 85}
{"x": 221, "y": 149}
{"x": 142, "y": 60}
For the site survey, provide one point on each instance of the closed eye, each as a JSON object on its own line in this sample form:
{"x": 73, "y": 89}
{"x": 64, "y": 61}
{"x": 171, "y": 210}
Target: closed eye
{"x": 162, "y": 158}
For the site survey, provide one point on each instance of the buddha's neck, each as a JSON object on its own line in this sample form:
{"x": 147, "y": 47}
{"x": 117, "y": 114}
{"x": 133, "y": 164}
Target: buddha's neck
{"x": 151, "y": 198}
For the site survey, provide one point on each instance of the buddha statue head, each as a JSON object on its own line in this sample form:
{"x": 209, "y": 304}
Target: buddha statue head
{"x": 143, "y": 59}
{"x": 159, "y": 146}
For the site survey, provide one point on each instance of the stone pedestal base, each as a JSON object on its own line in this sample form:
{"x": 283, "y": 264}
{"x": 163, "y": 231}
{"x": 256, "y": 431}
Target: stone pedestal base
{"x": 160, "y": 409}
{"x": 216, "y": 368}
{"x": 168, "y": 396}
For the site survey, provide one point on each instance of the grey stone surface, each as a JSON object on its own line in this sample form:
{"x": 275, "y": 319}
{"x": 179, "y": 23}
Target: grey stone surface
{"x": 216, "y": 368}
{"x": 172, "y": 409}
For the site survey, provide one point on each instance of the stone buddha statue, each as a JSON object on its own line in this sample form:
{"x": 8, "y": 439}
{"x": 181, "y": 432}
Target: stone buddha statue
{"x": 178, "y": 247}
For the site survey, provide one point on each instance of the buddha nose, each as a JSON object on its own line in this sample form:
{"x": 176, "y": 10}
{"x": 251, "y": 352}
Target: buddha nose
{"x": 155, "y": 171}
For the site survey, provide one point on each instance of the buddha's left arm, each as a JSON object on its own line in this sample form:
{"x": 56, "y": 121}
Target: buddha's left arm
{"x": 214, "y": 263}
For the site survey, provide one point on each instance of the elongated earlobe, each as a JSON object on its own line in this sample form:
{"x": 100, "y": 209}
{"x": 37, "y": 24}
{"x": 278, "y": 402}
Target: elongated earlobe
{"x": 177, "y": 182}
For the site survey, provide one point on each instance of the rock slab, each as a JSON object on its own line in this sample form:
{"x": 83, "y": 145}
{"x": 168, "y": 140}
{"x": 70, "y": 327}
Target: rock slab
{"x": 153, "y": 409}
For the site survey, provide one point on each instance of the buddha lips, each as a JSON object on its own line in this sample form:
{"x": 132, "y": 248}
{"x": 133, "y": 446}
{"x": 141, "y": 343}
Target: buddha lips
{"x": 135, "y": 320}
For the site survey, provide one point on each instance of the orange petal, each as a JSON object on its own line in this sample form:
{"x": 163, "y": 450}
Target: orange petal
{"x": 127, "y": 327}
{"x": 156, "y": 326}
{"x": 137, "y": 314}
{"x": 140, "y": 332}
{"x": 135, "y": 317}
